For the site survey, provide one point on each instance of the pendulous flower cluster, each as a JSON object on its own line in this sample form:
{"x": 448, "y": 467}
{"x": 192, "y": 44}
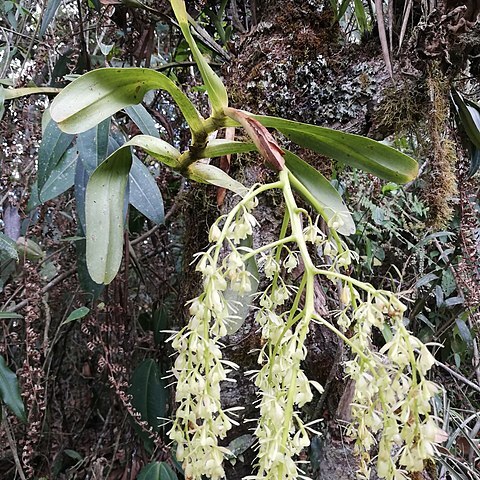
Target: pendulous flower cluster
{"x": 392, "y": 397}
{"x": 199, "y": 367}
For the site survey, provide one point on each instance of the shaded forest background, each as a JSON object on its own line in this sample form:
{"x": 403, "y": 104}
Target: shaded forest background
{"x": 92, "y": 382}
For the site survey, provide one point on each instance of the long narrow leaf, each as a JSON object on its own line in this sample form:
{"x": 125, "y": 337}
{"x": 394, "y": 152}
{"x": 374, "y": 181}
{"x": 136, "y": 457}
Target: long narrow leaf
{"x": 97, "y": 95}
{"x": 80, "y": 189}
{"x": 48, "y": 15}
{"x": 104, "y": 213}
{"x": 320, "y": 193}
{"x": 62, "y": 177}
{"x": 205, "y": 173}
{"x": 54, "y": 144}
{"x": 469, "y": 113}
{"x": 143, "y": 120}
{"x": 11, "y": 93}
{"x": 93, "y": 145}
{"x": 158, "y": 149}
{"x": 354, "y": 150}
{"x": 217, "y": 92}
{"x": 145, "y": 195}
{"x": 221, "y": 146}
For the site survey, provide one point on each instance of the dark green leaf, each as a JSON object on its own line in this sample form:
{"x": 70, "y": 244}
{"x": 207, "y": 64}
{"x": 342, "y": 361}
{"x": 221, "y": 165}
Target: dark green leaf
{"x": 81, "y": 181}
{"x": 34, "y": 200}
{"x": 157, "y": 471}
{"x": 149, "y": 393}
{"x": 361, "y": 16}
{"x": 8, "y": 247}
{"x": 145, "y": 195}
{"x": 469, "y": 113}
{"x": 48, "y": 15}
{"x": 2, "y": 101}
{"x": 143, "y": 120}
{"x": 104, "y": 216}
{"x": 93, "y": 145}
{"x": 53, "y": 146}
{"x": 9, "y": 391}
{"x": 354, "y": 150}
{"x": 62, "y": 177}
{"x": 474, "y": 162}
{"x": 464, "y": 332}
{"x": 73, "y": 454}
{"x": 320, "y": 193}
{"x": 97, "y": 95}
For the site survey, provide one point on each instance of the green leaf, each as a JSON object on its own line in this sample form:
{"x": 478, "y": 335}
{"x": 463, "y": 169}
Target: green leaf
{"x": 11, "y": 93}
{"x": 81, "y": 180}
{"x": 77, "y": 315}
{"x": 320, "y": 193}
{"x": 157, "y": 471}
{"x": 221, "y": 146}
{"x": 474, "y": 162}
{"x": 158, "y": 149}
{"x": 361, "y": 16}
{"x": 62, "y": 177}
{"x": 84, "y": 278}
{"x": 8, "y": 247}
{"x": 143, "y": 120}
{"x": 7, "y": 315}
{"x": 464, "y": 332}
{"x": 73, "y": 454}
{"x": 469, "y": 113}
{"x": 205, "y": 173}
{"x": 97, "y": 95}
{"x": 93, "y": 145}
{"x": 149, "y": 393}
{"x": 48, "y": 15}
{"x": 145, "y": 195}
{"x": 104, "y": 205}
{"x": 53, "y": 146}
{"x": 354, "y": 150}
{"x": 9, "y": 391}
{"x": 217, "y": 93}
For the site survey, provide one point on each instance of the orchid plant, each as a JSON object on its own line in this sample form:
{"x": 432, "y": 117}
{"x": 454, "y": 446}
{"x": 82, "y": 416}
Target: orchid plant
{"x": 391, "y": 404}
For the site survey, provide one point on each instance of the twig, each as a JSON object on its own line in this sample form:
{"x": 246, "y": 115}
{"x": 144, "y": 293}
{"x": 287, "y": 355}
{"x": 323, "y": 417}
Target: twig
{"x": 453, "y": 373}
{"x": 13, "y": 447}
{"x": 45, "y": 289}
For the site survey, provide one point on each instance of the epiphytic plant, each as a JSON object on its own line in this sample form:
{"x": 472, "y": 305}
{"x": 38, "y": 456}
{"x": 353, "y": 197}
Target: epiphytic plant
{"x": 392, "y": 394}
